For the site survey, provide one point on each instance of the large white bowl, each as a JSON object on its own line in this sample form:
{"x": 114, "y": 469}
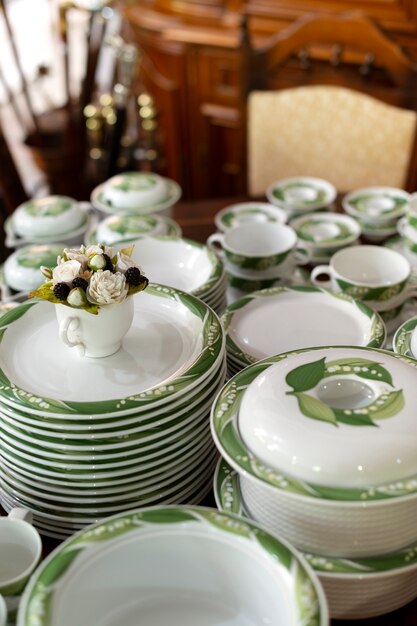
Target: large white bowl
{"x": 230, "y": 571}
{"x": 354, "y": 588}
{"x": 332, "y": 482}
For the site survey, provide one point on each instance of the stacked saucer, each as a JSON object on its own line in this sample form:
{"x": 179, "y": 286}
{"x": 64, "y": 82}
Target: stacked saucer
{"x": 323, "y": 441}
{"x": 83, "y": 438}
{"x": 272, "y": 321}
{"x": 302, "y": 194}
{"x": 377, "y": 210}
{"x": 184, "y": 264}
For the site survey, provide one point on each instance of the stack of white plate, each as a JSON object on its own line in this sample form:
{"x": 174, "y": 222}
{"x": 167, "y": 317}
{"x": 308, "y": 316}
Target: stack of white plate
{"x": 323, "y": 441}
{"x": 271, "y": 321}
{"x": 183, "y": 264}
{"x": 83, "y": 438}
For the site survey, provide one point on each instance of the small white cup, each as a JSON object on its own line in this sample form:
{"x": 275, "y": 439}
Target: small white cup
{"x": 259, "y": 250}
{"x": 20, "y": 552}
{"x": 375, "y": 274}
{"x": 98, "y": 335}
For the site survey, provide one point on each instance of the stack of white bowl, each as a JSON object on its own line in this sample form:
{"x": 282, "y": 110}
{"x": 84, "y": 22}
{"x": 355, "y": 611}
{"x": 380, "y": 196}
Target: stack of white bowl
{"x": 301, "y": 194}
{"x": 271, "y": 321}
{"x": 377, "y": 210}
{"x": 323, "y": 441}
{"x": 183, "y": 264}
{"x": 136, "y": 193}
{"x": 174, "y": 565}
{"x": 83, "y": 438}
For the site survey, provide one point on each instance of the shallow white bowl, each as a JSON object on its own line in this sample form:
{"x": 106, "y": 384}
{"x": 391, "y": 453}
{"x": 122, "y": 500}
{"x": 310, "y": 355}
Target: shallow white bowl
{"x": 231, "y": 571}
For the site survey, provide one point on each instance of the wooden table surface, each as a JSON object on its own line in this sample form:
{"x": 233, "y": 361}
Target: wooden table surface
{"x": 197, "y": 222}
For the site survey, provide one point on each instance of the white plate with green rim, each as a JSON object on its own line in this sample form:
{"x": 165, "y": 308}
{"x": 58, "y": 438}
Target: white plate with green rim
{"x": 326, "y": 230}
{"x": 272, "y": 321}
{"x": 22, "y": 268}
{"x": 99, "y": 201}
{"x": 377, "y": 203}
{"x": 225, "y": 562}
{"x": 403, "y": 342}
{"x": 119, "y": 229}
{"x": 361, "y": 516}
{"x": 354, "y": 588}
{"x": 303, "y": 193}
{"x": 174, "y": 341}
{"x": 92, "y": 429}
{"x": 235, "y": 214}
{"x": 180, "y": 263}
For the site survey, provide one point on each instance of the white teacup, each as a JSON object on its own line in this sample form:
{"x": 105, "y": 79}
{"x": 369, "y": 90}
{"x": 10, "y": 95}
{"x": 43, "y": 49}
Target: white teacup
{"x": 3, "y": 611}
{"x": 378, "y": 275}
{"x": 98, "y": 335}
{"x": 20, "y": 552}
{"x": 259, "y": 250}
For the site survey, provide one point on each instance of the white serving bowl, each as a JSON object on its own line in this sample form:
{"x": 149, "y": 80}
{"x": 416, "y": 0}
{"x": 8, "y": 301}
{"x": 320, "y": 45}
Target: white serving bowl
{"x": 355, "y": 589}
{"x": 49, "y": 216}
{"x": 231, "y": 571}
{"x": 335, "y": 481}
{"x": 132, "y": 190}
{"x": 22, "y": 268}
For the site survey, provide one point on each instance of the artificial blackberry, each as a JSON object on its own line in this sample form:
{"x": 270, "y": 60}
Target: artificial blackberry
{"x": 134, "y": 277}
{"x": 61, "y": 291}
{"x": 79, "y": 282}
{"x": 109, "y": 264}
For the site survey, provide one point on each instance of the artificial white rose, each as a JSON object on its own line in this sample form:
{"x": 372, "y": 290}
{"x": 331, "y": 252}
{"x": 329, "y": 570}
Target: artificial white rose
{"x": 66, "y": 272}
{"x": 124, "y": 262}
{"x": 75, "y": 254}
{"x": 92, "y": 250}
{"x": 107, "y": 288}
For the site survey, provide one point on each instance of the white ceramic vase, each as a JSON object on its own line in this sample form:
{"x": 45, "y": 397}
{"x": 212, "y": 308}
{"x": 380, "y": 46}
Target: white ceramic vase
{"x": 98, "y": 335}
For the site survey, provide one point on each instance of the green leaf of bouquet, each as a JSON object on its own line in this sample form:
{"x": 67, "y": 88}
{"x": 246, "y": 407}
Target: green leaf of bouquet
{"x": 45, "y": 292}
{"x": 306, "y": 376}
{"x": 314, "y": 408}
{"x": 391, "y": 406}
{"x": 137, "y": 288}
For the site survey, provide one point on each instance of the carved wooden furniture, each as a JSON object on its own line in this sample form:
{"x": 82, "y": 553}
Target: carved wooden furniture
{"x": 192, "y": 55}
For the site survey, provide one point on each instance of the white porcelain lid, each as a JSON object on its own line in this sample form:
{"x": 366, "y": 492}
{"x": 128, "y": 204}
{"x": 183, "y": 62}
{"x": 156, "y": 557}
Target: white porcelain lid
{"x": 22, "y": 268}
{"x": 303, "y": 193}
{"x": 49, "y": 216}
{"x": 376, "y": 202}
{"x": 326, "y": 230}
{"x": 242, "y": 212}
{"x": 340, "y": 417}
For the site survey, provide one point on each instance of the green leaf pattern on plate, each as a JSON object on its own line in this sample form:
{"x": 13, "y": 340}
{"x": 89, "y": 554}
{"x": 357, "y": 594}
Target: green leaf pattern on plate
{"x": 33, "y": 258}
{"x": 38, "y": 608}
{"x": 135, "y": 182}
{"x": 304, "y": 231}
{"x": 133, "y": 225}
{"x": 280, "y": 193}
{"x": 362, "y": 203}
{"x": 377, "y": 294}
{"x": 256, "y": 262}
{"x": 37, "y": 208}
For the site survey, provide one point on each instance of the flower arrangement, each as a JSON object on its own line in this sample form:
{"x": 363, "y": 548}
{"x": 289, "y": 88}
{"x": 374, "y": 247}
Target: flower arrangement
{"x": 91, "y": 277}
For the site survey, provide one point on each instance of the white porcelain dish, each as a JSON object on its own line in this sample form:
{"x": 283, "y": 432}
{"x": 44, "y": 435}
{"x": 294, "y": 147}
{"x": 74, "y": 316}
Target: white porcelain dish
{"x": 354, "y": 588}
{"x": 224, "y": 563}
{"x": 51, "y": 216}
{"x": 22, "y": 268}
{"x": 242, "y": 212}
{"x": 360, "y": 516}
{"x": 405, "y": 339}
{"x": 133, "y": 203}
{"x": 272, "y": 321}
{"x": 301, "y": 194}
{"x": 376, "y": 206}
{"x": 326, "y": 231}
{"x": 119, "y": 229}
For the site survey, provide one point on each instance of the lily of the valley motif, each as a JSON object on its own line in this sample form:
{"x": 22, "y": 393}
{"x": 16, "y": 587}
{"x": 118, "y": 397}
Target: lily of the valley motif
{"x": 308, "y": 376}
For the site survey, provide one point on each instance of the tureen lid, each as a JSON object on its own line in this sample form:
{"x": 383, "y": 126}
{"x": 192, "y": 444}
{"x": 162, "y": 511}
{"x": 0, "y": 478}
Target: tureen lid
{"x": 339, "y": 417}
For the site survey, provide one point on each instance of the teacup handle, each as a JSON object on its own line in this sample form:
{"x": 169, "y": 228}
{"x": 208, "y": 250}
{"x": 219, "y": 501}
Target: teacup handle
{"x": 321, "y": 269}
{"x": 3, "y": 611}
{"x": 215, "y": 242}
{"x": 85, "y": 206}
{"x": 302, "y": 256}
{"x": 22, "y": 514}
{"x": 69, "y": 325}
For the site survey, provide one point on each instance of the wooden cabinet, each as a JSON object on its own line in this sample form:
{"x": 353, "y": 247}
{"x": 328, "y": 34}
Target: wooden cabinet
{"x": 191, "y": 59}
